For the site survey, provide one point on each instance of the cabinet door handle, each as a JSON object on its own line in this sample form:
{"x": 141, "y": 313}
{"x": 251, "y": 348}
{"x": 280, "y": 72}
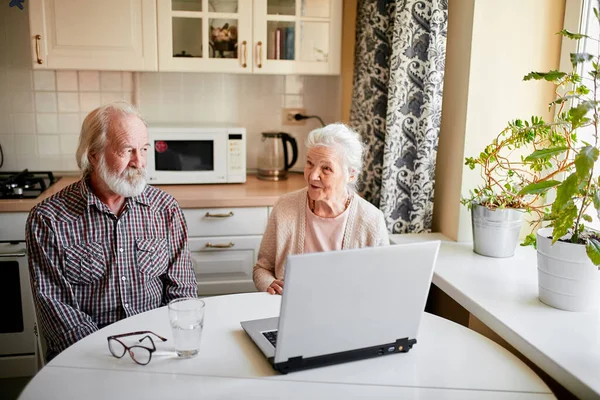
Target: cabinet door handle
{"x": 37, "y": 48}
{"x": 209, "y": 215}
{"x": 244, "y": 54}
{"x": 259, "y": 45}
{"x": 209, "y": 245}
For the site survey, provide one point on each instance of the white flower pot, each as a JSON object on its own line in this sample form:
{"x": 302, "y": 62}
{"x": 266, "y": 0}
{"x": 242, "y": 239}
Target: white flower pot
{"x": 495, "y": 232}
{"x": 567, "y": 279}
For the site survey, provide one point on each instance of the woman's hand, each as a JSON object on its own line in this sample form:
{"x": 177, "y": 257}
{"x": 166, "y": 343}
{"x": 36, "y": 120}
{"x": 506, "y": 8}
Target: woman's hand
{"x": 276, "y": 287}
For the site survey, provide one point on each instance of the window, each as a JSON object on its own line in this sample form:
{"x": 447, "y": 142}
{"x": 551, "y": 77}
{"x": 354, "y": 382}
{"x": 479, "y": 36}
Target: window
{"x": 579, "y": 17}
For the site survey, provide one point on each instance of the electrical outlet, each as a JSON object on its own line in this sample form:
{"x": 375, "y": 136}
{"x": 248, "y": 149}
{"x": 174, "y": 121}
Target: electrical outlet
{"x": 287, "y": 116}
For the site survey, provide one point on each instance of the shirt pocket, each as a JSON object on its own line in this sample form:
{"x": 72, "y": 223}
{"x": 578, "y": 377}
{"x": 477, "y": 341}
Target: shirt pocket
{"x": 85, "y": 263}
{"x": 152, "y": 256}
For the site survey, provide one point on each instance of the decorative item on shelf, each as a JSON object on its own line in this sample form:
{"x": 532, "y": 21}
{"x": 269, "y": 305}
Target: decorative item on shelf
{"x": 223, "y": 41}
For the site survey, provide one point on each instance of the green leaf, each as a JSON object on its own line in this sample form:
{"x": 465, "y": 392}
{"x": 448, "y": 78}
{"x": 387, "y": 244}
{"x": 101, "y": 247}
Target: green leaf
{"x": 563, "y": 221}
{"x": 585, "y": 160}
{"x": 566, "y": 190}
{"x": 571, "y": 35}
{"x": 596, "y": 200}
{"x": 582, "y": 89}
{"x": 530, "y": 240}
{"x": 545, "y": 153}
{"x": 593, "y": 250}
{"x": 577, "y": 58}
{"x": 539, "y": 187}
{"x": 586, "y": 218}
{"x": 578, "y": 113}
{"x": 549, "y": 76}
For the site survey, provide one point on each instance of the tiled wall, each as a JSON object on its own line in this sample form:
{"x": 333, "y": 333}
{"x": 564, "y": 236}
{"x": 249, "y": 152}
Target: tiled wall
{"x": 251, "y": 101}
{"x": 41, "y": 111}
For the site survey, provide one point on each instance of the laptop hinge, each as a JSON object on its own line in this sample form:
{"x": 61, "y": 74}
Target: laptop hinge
{"x": 299, "y": 363}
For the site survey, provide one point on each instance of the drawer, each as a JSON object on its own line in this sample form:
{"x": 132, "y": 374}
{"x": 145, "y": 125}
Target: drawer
{"x": 12, "y": 226}
{"x": 226, "y": 221}
{"x": 227, "y": 267}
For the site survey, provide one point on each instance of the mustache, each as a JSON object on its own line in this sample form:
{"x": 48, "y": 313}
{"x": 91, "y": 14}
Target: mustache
{"x": 133, "y": 173}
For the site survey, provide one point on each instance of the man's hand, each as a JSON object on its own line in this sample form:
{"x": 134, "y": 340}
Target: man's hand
{"x": 276, "y": 287}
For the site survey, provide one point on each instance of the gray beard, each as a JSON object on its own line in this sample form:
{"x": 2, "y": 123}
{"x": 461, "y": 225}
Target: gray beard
{"x": 130, "y": 183}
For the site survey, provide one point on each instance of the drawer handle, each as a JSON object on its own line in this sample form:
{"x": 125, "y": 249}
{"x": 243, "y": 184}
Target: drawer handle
{"x": 209, "y": 215}
{"x": 219, "y": 246}
{"x": 259, "y": 45}
{"x": 245, "y": 54}
{"x": 37, "y": 49}
{"x": 12, "y": 255}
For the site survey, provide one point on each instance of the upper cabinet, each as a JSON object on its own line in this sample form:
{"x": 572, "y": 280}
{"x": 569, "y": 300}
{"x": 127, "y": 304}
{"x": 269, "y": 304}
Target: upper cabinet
{"x": 205, "y": 35}
{"x": 92, "y": 34}
{"x": 297, "y": 36}
{"x": 238, "y": 36}
{"x": 244, "y": 36}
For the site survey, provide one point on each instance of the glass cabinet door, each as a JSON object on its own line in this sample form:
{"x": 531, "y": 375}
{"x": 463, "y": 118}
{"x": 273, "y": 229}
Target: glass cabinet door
{"x": 298, "y": 36}
{"x": 205, "y": 35}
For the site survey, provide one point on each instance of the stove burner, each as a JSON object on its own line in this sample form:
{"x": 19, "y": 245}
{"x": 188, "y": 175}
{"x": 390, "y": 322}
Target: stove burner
{"x": 24, "y": 184}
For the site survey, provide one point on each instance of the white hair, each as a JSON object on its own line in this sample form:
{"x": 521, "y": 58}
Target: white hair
{"x": 92, "y": 139}
{"x": 346, "y": 142}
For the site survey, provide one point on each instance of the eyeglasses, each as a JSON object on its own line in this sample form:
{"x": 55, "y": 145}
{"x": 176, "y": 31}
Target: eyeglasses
{"x": 138, "y": 353}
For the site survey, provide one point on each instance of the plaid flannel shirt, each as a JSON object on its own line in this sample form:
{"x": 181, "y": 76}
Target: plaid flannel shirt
{"x": 90, "y": 268}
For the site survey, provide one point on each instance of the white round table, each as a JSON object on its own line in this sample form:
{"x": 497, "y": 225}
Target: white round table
{"x": 449, "y": 361}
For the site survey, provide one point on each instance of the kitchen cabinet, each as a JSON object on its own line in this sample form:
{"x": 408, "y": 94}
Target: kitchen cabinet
{"x": 224, "y": 244}
{"x": 12, "y": 226}
{"x": 92, "y": 34}
{"x": 250, "y": 36}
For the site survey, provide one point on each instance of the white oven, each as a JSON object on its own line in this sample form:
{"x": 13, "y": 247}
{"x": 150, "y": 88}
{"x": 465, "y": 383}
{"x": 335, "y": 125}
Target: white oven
{"x": 196, "y": 155}
{"x": 18, "y": 343}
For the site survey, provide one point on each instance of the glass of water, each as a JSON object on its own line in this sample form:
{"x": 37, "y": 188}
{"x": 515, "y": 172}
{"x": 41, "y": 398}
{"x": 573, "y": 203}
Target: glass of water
{"x": 187, "y": 321}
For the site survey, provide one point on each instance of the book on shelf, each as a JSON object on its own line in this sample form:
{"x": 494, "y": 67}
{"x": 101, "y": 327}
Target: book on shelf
{"x": 281, "y": 44}
{"x": 279, "y": 40}
{"x": 289, "y": 43}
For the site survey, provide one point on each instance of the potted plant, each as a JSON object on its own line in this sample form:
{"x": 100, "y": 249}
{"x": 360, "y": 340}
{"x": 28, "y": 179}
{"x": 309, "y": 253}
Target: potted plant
{"x": 568, "y": 250}
{"x": 512, "y": 187}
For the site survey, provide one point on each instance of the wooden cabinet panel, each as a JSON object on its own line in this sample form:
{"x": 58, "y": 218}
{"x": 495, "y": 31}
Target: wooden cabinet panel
{"x": 91, "y": 34}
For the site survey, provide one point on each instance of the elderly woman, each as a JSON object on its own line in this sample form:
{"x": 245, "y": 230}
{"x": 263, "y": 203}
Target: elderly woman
{"x": 326, "y": 215}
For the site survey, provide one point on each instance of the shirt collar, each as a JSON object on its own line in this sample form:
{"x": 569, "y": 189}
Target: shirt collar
{"x": 92, "y": 199}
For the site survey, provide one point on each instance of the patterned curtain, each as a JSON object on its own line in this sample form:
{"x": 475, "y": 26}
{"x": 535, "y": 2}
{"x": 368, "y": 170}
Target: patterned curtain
{"x": 397, "y": 105}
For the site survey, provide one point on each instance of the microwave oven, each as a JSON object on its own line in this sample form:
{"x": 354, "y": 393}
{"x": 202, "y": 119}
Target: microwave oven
{"x": 196, "y": 155}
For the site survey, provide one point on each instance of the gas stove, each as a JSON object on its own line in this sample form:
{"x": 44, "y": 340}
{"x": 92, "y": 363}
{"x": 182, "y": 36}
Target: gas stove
{"x": 24, "y": 184}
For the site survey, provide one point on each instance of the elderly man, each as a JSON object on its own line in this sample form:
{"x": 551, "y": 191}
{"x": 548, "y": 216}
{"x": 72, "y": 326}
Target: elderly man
{"x": 108, "y": 246}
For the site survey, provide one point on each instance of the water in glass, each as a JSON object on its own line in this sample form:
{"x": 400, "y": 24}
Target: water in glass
{"x": 187, "y": 321}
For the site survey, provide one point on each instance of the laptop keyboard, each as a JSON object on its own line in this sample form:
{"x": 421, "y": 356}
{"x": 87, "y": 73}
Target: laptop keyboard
{"x": 271, "y": 337}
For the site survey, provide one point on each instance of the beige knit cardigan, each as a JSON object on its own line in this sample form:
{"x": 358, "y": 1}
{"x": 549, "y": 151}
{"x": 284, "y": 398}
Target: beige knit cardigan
{"x": 287, "y": 226}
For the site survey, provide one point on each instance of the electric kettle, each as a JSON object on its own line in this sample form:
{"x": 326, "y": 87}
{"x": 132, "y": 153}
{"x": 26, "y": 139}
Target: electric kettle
{"x": 274, "y": 158}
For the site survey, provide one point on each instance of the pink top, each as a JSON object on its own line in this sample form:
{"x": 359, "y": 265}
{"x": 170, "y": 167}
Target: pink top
{"x": 324, "y": 234}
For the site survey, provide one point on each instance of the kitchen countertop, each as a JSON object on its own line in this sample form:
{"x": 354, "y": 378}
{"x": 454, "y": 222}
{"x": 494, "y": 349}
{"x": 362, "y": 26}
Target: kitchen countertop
{"x": 253, "y": 193}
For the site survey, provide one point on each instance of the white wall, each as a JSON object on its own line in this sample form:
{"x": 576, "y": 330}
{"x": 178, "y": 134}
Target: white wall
{"x": 41, "y": 111}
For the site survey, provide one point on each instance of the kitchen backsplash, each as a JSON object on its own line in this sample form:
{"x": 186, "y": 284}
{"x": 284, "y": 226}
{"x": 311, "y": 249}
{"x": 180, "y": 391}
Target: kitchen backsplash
{"x": 41, "y": 111}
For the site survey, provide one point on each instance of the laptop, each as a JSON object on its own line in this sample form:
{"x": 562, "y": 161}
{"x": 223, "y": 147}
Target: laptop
{"x": 347, "y": 305}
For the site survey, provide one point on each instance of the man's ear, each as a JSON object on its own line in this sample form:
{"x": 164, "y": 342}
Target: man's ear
{"x": 93, "y": 159}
